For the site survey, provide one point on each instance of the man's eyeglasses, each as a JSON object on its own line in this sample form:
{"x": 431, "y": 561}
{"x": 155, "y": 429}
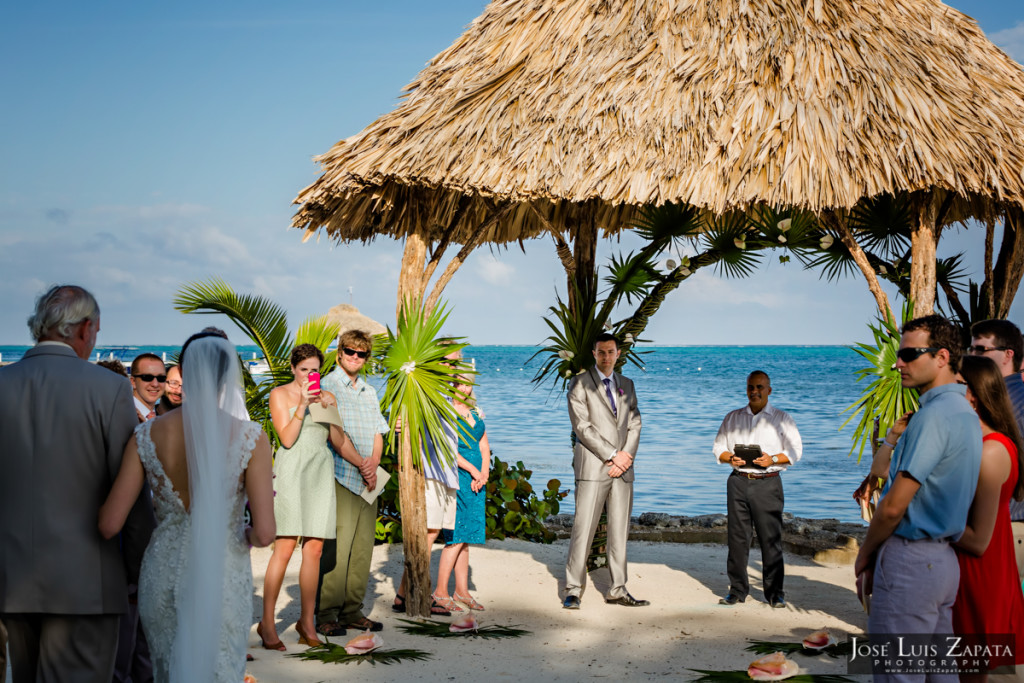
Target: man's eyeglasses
{"x": 174, "y": 385}
{"x": 912, "y": 353}
{"x": 980, "y": 350}
{"x": 149, "y": 378}
{"x": 353, "y": 352}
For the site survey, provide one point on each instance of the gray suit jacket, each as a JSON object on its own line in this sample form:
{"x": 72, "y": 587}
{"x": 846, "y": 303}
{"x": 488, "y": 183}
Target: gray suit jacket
{"x": 599, "y": 432}
{"x": 63, "y": 426}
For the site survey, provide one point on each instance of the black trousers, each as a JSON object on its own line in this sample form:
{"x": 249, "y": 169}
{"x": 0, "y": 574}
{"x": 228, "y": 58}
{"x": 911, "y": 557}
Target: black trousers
{"x": 755, "y": 504}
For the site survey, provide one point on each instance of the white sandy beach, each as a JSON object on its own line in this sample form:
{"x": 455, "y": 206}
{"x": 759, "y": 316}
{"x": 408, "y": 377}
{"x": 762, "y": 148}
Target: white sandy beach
{"x": 518, "y": 582}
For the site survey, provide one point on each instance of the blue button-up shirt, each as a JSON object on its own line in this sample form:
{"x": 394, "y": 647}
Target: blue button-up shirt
{"x": 941, "y": 449}
{"x": 360, "y": 413}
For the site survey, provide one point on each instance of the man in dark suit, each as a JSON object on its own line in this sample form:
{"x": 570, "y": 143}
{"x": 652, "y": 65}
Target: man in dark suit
{"x": 63, "y": 427}
{"x": 606, "y": 422}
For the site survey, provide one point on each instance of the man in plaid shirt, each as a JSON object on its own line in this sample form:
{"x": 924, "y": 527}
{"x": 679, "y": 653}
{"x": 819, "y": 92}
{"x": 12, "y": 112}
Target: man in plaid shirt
{"x": 345, "y": 569}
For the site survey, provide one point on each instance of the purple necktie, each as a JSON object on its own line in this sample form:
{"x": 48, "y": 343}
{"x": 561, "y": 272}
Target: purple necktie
{"x": 611, "y": 399}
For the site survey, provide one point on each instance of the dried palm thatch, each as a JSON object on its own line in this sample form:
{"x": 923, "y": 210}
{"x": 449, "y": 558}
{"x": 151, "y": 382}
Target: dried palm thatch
{"x": 559, "y": 112}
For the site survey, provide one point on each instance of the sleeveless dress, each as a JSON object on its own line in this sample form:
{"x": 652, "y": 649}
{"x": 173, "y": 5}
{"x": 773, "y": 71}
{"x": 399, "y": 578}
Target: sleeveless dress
{"x": 304, "y": 485}
{"x": 160, "y": 576}
{"x": 470, "y": 510}
{"x": 990, "y": 598}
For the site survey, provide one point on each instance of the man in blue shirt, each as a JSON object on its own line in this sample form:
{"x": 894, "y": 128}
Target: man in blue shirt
{"x": 345, "y": 569}
{"x": 932, "y": 478}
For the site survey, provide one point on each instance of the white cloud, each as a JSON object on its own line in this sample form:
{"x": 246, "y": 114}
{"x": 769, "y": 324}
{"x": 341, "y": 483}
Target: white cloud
{"x": 1011, "y": 40}
{"x": 495, "y": 272}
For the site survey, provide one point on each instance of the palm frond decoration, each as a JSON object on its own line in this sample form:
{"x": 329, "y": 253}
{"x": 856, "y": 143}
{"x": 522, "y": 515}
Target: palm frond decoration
{"x": 727, "y": 235}
{"x": 631, "y": 276}
{"x": 885, "y": 398}
{"x": 952, "y": 271}
{"x": 708, "y": 676}
{"x": 883, "y": 224}
{"x": 767, "y": 647}
{"x": 329, "y": 653}
{"x": 667, "y": 224}
{"x": 440, "y": 629}
{"x": 418, "y": 382}
{"x": 834, "y": 260}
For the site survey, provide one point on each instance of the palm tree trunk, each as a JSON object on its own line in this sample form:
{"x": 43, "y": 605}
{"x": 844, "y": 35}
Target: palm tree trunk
{"x": 924, "y": 237}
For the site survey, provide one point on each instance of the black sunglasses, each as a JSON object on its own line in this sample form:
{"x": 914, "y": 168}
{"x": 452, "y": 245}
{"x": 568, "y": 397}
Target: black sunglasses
{"x": 982, "y": 350}
{"x": 150, "y": 378}
{"x": 912, "y": 353}
{"x": 353, "y": 352}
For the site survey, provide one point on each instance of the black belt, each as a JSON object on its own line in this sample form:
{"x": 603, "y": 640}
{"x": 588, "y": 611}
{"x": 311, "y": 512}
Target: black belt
{"x": 756, "y": 475}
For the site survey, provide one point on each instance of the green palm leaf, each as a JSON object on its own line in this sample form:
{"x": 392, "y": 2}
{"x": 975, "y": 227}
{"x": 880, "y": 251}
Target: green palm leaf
{"x": 321, "y": 333}
{"x": 631, "y": 276}
{"x": 418, "y": 385}
{"x": 667, "y": 224}
{"x": 883, "y": 224}
{"x": 329, "y": 653}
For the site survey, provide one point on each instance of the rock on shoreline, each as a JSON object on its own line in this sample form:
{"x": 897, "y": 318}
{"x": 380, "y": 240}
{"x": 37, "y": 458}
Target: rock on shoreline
{"x": 823, "y": 540}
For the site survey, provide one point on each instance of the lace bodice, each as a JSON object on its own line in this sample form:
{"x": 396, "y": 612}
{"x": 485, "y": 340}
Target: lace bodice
{"x": 165, "y": 558}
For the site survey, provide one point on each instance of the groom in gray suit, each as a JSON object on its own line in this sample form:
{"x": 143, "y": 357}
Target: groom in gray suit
{"x": 63, "y": 426}
{"x": 606, "y": 422}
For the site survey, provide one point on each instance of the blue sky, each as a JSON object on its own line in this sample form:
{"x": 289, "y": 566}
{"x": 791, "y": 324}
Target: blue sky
{"x": 146, "y": 145}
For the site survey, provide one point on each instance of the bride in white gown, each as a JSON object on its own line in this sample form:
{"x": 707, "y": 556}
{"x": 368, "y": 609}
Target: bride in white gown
{"x": 202, "y": 461}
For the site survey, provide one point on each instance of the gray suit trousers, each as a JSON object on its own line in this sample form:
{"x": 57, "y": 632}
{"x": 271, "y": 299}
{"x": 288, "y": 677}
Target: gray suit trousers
{"x": 591, "y": 497}
{"x": 62, "y": 648}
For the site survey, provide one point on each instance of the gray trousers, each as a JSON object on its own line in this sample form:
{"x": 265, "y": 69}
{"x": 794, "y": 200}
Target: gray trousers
{"x": 591, "y": 497}
{"x": 915, "y": 585}
{"x": 62, "y": 648}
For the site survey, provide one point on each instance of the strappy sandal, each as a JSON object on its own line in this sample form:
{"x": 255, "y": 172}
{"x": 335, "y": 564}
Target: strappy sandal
{"x": 469, "y": 602}
{"x": 365, "y": 624}
{"x": 398, "y": 605}
{"x": 444, "y": 607}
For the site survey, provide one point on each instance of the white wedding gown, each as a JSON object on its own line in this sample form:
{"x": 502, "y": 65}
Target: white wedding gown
{"x": 160, "y": 577}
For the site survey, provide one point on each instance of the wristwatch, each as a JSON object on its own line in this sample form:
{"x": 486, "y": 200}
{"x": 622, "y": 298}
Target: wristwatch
{"x": 775, "y": 459}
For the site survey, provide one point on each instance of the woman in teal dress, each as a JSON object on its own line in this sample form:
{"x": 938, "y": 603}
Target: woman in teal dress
{"x": 474, "y": 461}
{"x": 304, "y": 504}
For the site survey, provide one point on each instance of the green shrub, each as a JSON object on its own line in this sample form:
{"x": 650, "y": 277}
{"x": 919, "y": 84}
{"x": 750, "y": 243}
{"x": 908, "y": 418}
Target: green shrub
{"x": 513, "y": 508}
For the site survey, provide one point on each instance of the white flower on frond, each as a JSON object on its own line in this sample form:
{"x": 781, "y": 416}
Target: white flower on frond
{"x": 782, "y": 238}
{"x": 607, "y": 325}
{"x": 670, "y": 264}
{"x": 409, "y": 367}
{"x": 827, "y": 241}
{"x": 882, "y": 270}
{"x": 629, "y": 338}
{"x": 565, "y": 354}
{"x": 685, "y": 272}
{"x": 568, "y": 374}
{"x": 785, "y": 224}
{"x": 740, "y": 243}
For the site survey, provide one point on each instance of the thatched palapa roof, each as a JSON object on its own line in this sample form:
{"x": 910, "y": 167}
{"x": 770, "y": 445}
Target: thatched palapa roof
{"x": 581, "y": 110}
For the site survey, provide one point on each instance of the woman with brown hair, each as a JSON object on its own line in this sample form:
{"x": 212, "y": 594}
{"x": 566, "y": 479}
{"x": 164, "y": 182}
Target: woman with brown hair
{"x": 304, "y": 494}
{"x": 990, "y": 600}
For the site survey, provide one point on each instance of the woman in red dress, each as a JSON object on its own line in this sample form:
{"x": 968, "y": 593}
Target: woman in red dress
{"x": 990, "y": 599}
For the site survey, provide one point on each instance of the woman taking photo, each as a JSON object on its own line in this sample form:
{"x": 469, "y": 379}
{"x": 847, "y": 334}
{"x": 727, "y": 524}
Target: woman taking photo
{"x": 474, "y": 461}
{"x": 990, "y": 599}
{"x": 304, "y": 498}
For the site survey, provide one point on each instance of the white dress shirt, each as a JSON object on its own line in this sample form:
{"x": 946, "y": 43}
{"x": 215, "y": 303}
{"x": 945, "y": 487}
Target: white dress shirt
{"x": 771, "y": 429}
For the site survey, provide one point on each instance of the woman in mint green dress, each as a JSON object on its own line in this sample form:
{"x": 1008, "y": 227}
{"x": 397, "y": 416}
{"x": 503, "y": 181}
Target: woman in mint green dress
{"x": 304, "y": 504}
{"x": 474, "y": 461}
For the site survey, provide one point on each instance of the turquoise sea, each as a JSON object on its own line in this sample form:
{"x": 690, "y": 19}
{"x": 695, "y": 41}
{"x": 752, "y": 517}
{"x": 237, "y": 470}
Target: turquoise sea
{"x": 684, "y": 392}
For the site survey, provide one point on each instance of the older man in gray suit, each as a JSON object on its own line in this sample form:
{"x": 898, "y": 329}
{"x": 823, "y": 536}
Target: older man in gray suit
{"x": 63, "y": 426}
{"x": 606, "y": 422}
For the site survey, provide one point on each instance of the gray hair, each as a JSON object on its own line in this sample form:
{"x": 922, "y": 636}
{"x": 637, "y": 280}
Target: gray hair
{"x": 60, "y": 309}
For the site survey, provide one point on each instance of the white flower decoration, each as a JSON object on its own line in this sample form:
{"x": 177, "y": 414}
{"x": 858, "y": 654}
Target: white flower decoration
{"x": 568, "y": 374}
{"x": 408, "y": 368}
{"x": 607, "y": 325}
{"x": 629, "y": 338}
{"x": 670, "y": 264}
{"x": 685, "y": 272}
{"x": 565, "y": 354}
{"x": 784, "y": 224}
{"x": 882, "y": 270}
{"x": 740, "y": 243}
{"x": 782, "y": 238}
{"x": 827, "y": 241}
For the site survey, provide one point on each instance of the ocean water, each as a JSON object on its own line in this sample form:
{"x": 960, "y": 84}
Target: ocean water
{"x": 683, "y": 392}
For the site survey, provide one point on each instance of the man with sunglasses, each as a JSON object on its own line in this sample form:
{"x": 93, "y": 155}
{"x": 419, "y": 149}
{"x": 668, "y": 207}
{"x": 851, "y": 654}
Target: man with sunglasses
{"x": 1001, "y": 341}
{"x": 345, "y": 561}
{"x": 906, "y": 563}
{"x": 148, "y": 384}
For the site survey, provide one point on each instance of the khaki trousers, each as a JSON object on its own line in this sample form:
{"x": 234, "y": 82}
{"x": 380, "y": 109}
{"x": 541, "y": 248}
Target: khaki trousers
{"x": 591, "y": 497}
{"x": 345, "y": 572}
